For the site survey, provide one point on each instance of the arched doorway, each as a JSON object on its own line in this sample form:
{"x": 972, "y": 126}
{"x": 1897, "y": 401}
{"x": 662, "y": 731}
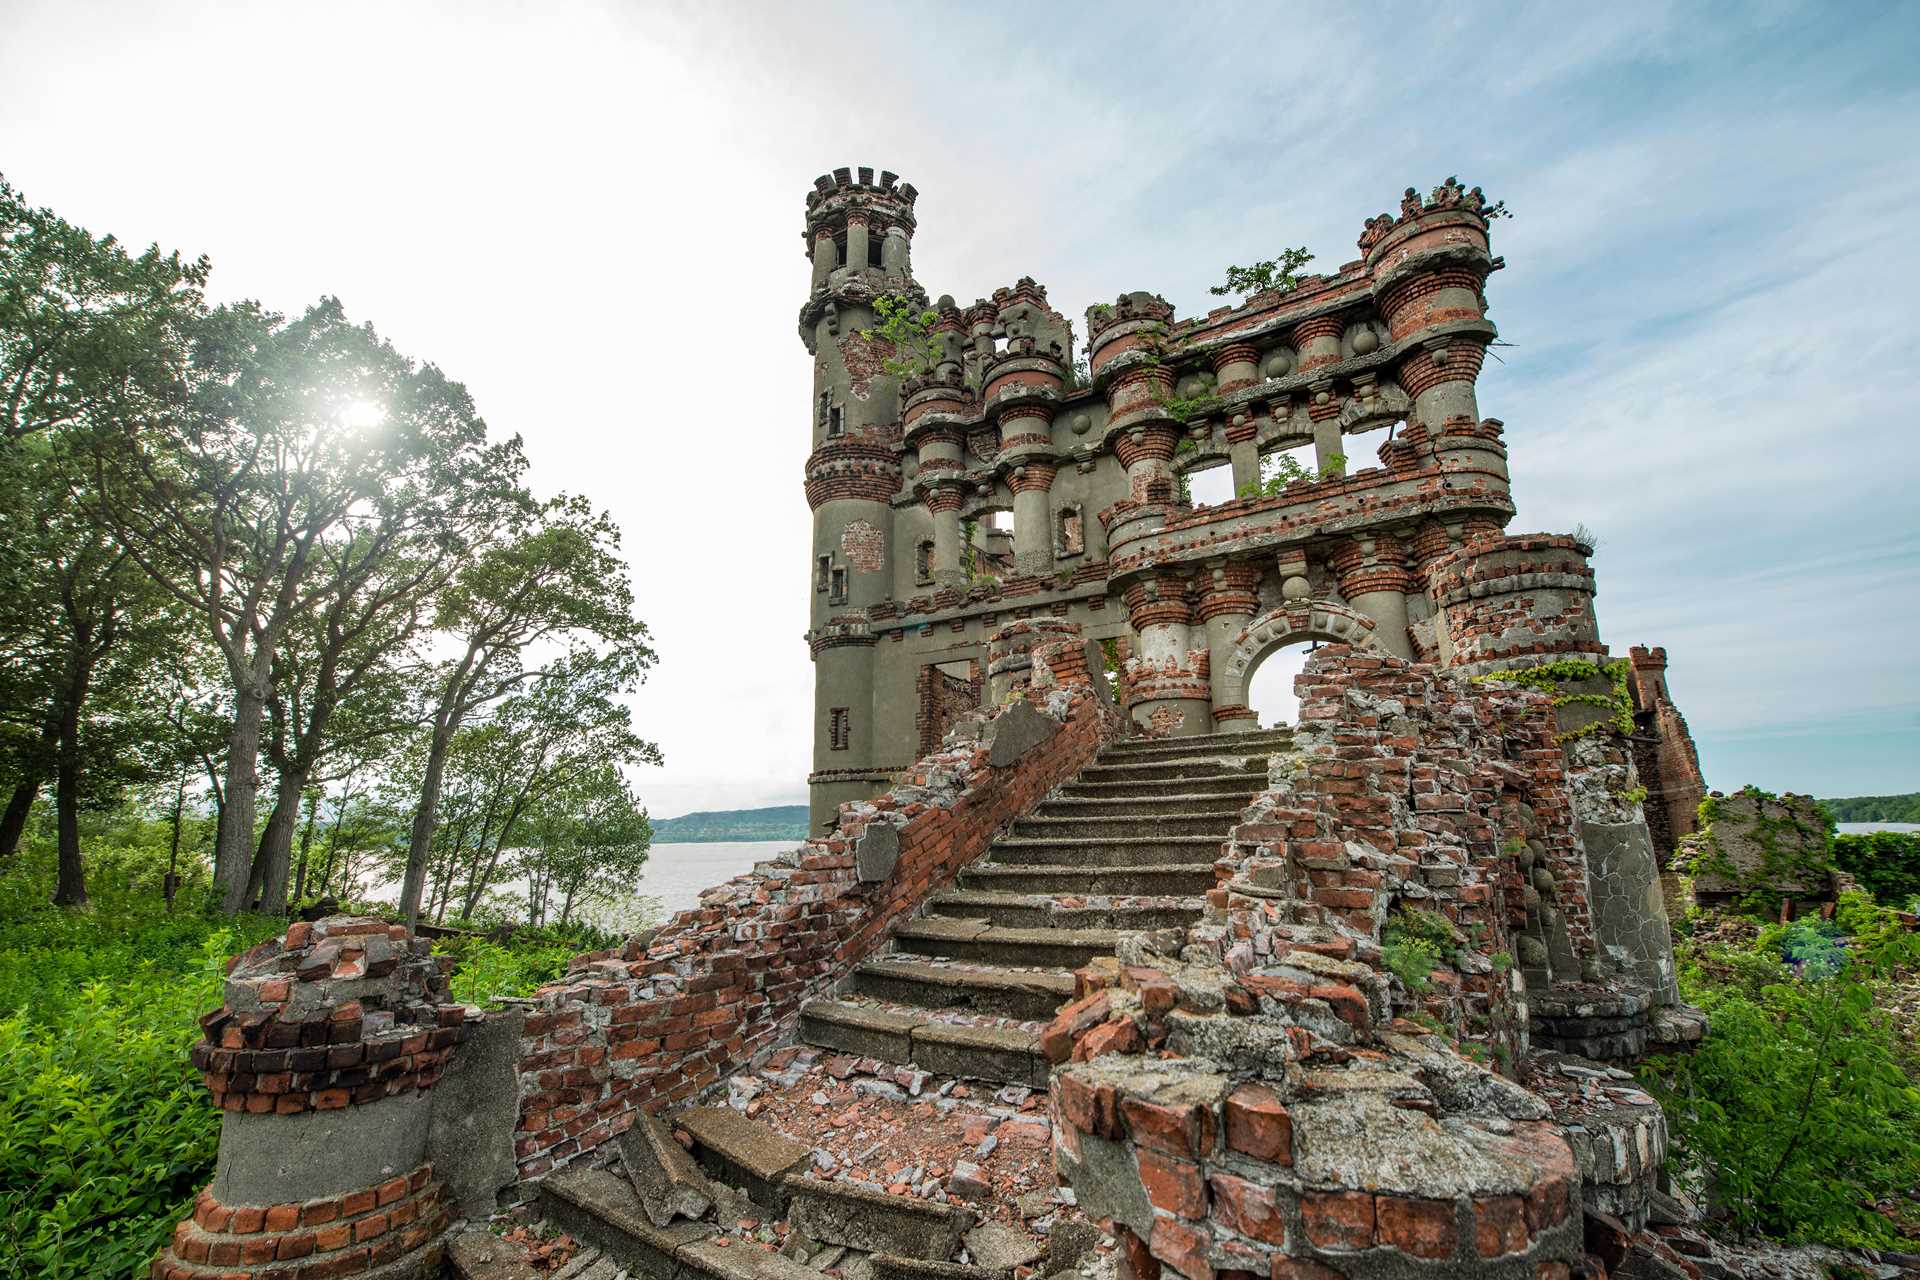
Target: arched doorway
{"x": 1283, "y": 636}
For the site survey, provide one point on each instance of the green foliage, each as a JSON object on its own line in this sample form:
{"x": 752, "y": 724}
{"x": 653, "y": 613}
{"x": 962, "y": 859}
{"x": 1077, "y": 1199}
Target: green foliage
{"x": 1886, "y": 863}
{"x": 1800, "y": 1105}
{"x": 106, "y": 1131}
{"x": 1552, "y": 677}
{"x": 1904, "y": 808}
{"x": 1281, "y": 275}
{"x": 1414, "y": 942}
{"x": 486, "y": 970}
{"x": 1279, "y": 470}
{"x": 909, "y": 331}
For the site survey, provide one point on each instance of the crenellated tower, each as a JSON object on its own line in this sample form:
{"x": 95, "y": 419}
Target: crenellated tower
{"x": 859, "y": 236}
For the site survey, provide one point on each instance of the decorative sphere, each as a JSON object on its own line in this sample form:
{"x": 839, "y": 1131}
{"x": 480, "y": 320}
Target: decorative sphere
{"x": 1295, "y": 588}
{"x": 1081, "y": 424}
{"x": 1365, "y": 342}
{"x": 1278, "y": 365}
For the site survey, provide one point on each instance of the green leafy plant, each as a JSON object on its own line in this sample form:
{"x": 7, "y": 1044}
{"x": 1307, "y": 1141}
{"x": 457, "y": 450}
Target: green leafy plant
{"x": 1281, "y": 275}
{"x": 1886, "y": 863}
{"x": 1552, "y": 678}
{"x": 908, "y": 329}
{"x": 1800, "y": 1107}
{"x": 1414, "y": 942}
{"x": 1279, "y": 470}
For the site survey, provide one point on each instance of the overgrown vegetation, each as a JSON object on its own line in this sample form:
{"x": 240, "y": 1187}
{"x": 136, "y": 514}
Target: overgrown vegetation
{"x": 1414, "y": 942}
{"x": 1552, "y": 678}
{"x": 106, "y": 1131}
{"x": 1886, "y": 863}
{"x": 908, "y": 330}
{"x": 1279, "y": 470}
{"x": 1280, "y": 275}
{"x": 1798, "y": 1117}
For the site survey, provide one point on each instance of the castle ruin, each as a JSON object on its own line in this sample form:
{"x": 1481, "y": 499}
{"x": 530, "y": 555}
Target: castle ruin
{"x": 1346, "y": 998}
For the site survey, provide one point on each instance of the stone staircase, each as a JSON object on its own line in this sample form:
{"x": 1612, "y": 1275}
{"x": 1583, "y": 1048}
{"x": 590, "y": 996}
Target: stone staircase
{"x": 1128, "y": 844}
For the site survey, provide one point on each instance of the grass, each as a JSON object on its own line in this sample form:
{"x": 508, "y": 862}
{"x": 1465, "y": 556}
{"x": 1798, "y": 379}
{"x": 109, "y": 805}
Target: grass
{"x": 106, "y": 1131}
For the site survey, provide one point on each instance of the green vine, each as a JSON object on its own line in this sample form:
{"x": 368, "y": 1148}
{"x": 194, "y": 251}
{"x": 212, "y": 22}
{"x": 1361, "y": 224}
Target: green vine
{"x": 1550, "y": 678}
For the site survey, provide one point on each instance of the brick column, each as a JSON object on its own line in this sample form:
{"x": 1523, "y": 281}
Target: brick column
{"x": 1375, "y": 580}
{"x": 1032, "y": 540}
{"x": 1169, "y": 688}
{"x": 1243, "y": 451}
{"x": 1229, "y": 597}
{"x": 321, "y": 1058}
{"x": 943, "y": 500}
{"x": 1318, "y": 341}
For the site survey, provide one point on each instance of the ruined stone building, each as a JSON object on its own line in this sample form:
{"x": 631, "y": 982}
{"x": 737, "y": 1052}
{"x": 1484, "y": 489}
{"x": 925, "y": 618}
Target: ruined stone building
{"x": 1079, "y": 956}
{"x": 1395, "y": 547}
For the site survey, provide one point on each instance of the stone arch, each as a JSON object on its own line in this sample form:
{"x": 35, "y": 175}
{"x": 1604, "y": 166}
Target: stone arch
{"x": 1303, "y": 620}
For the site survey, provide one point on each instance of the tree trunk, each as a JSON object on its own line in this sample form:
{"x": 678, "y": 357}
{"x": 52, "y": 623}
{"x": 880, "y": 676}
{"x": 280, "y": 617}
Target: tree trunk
{"x": 276, "y": 841}
{"x": 233, "y": 854}
{"x": 420, "y": 845}
{"x": 306, "y": 844}
{"x": 13, "y": 823}
{"x": 172, "y": 882}
{"x": 71, "y": 889}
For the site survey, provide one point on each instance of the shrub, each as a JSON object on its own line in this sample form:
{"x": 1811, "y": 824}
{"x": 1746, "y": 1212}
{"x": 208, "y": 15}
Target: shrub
{"x": 1799, "y": 1107}
{"x": 1886, "y": 863}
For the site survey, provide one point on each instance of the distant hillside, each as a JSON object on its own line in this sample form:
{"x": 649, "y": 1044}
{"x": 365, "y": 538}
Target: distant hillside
{"x": 781, "y": 822}
{"x": 1876, "y": 808}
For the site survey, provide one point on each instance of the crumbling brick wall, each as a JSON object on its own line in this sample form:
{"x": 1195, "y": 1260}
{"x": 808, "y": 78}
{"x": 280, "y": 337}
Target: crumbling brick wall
{"x": 679, "y": 1008}
{"x": 1268, "y": 1092}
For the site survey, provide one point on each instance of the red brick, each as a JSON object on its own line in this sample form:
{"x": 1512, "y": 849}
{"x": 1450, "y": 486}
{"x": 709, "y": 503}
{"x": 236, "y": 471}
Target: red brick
{"x": 1173, "y": 1185}
{"x": 1337, "y": 1219}
{"x": 1109, "y": 1037}
{"x": 1499, "y": 1226}
{"x": 1178, "y": 1128}
{"x": 1136, "y": 1261}
{"x": 1547, "y": 1204}
{"x": 246, "y": 1220}
{"x": 1258, "y": 1124}
{"x": 1423, "y": 1228}
{"x": 1302, "y": 1269}
{"x": 1248, "y": 1208}
{"x": 1182, "y": 1247}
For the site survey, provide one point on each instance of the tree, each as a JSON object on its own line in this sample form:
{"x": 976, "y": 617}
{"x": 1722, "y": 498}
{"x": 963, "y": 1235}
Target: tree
{"x": 303, "y": 453}
{"x": 590, "y": 840}
{"x": 556, "y": 577}
{"x": 1281, "y": 274}
{"x": 97, "y": 639}
{"x": 90, "y": 335}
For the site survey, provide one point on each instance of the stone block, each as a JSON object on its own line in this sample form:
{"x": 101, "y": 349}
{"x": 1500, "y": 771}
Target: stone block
{"x": 663, "y": 1173}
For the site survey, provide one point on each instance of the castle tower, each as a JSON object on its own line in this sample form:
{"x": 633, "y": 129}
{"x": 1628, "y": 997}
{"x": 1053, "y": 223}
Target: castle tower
{"x": 859, "y": 233}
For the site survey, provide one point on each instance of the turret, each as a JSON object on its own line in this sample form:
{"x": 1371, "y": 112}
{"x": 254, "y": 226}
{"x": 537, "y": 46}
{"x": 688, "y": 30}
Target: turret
{"x": 858, "y": 235}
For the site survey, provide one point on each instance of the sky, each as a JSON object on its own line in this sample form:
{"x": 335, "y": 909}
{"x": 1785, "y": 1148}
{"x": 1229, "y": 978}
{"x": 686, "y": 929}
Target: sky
{"x": 591, "y": 214}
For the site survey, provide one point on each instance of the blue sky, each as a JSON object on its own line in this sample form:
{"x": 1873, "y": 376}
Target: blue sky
{"x": 591, "y": 214}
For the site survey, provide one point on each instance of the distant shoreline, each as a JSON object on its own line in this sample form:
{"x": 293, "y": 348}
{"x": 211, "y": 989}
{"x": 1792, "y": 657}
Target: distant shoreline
{"x": 716, "y": 826}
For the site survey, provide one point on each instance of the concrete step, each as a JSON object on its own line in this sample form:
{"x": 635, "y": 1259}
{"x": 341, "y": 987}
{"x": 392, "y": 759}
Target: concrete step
{"x": 1034, "y": 910}
{"x": 1225, "y": 745}
{"x": 602, "y": 1208}
{"x": 1238, "y": 784}
{"x": 1069, "y": 878}
{"x": 1109, "y": 851}
{"x": 980, "y": 942}
{"x": 1146, "y": 772}
{"x": 1174, "y": 822}
{"x": 949, "y": 1046}
{"x": 1008, "y": 993}
{"x": 1152, "y": 804}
